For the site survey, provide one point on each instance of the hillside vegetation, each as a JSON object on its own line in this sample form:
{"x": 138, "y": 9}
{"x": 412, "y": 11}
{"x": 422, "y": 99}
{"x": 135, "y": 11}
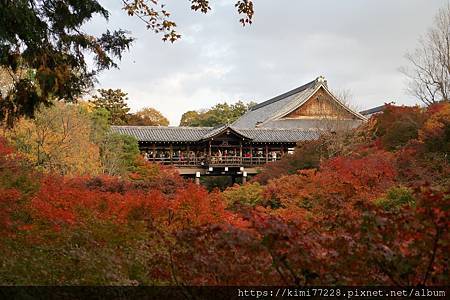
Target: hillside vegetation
{"x": 366, "y": 208}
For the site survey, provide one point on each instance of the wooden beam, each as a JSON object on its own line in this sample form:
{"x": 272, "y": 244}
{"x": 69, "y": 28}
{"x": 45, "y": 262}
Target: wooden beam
{"x": 267, "y": 153}
{"x": 187, "y": 153}
{"x": 240, "y": 150}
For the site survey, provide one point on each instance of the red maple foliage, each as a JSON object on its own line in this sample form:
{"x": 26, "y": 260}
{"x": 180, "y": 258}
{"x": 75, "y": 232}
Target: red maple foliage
{"x": 379, "y": 208}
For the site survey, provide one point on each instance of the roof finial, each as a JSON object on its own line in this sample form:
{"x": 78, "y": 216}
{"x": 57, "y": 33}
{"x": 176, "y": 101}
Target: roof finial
{"x": 321, "y": 80}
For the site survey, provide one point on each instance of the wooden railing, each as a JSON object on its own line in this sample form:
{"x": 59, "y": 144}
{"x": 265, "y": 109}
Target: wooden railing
{"x": 228, "y": 161}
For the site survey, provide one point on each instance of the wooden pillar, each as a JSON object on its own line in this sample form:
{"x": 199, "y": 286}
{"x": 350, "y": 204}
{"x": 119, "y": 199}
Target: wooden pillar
{"x": 209, "y": 151}
{"x": 188, "y": 154}
{"x": 251, "y": 155}
{"x": 154, "y": 151}
{"x": 197, "y": 178}
{"x": 267, "y": 153}
{"x": 171, "y": 153}
{"x": 240, "y": 151}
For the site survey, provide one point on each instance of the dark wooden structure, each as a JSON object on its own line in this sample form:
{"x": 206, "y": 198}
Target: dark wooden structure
{"x": 223, "y": 150}
{"x": 264, "y": 134}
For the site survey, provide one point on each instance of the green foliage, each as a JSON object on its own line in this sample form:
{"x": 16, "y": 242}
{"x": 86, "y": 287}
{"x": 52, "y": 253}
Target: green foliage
{"x": 220, "y": 114}
{"x": 118, "y": 154}
{"x": 114, "y": 101}
{"x": 100, "y": 124}
{"x": 249, "y": 195}
{"x": 395, "y": 198}
{"x": 47, "y": 37}
{"x": 216, "y": 182}
{"x": 130, "y": 149}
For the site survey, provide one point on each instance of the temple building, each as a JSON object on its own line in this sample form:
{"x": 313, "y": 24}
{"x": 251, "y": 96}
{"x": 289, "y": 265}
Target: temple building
{"x": 264, "y": 134}
{"x": 311, "y": 106}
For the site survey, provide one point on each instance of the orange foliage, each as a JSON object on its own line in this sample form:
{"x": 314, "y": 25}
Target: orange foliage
{"x": 381, "y": 210}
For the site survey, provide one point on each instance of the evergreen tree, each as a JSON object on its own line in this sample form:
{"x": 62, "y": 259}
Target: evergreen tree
{"x": 46, "y": 37}
{"x": 114, "y": 101}
{"x": 43, "y": 46}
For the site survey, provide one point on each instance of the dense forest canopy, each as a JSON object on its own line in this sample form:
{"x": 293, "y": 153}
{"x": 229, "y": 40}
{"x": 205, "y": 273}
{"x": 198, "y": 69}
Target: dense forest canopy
{"x": 80, "y": 206}
{"x": 373, "y": 201}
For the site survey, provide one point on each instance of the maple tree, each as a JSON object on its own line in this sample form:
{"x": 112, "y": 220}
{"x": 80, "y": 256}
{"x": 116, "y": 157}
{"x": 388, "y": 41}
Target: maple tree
{"x": 74, "y": 139}
{"x": 362, "y": 208}
{"x": 56, "y": 141}
{"x": 147, "y": 117}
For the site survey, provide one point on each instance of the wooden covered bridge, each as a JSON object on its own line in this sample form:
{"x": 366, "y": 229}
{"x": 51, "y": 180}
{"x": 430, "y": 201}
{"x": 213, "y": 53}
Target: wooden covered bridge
{"x": 225, "y": 150}
{"x": 264, "y": 134}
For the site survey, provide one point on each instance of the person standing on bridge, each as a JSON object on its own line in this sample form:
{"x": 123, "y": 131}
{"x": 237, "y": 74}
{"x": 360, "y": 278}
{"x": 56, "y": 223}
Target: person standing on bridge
{"x": 274, "y": 156}
{"x": 219, "y": 155}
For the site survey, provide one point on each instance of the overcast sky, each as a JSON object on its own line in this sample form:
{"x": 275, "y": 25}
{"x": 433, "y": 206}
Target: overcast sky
{"x": 356, "y": 44}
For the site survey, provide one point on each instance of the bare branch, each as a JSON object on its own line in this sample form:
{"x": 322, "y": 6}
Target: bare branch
{"x": 429, "y": 75}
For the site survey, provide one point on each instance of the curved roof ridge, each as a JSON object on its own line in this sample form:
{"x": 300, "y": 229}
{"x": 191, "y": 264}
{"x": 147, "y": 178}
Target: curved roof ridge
{"x": 284, "y": 95}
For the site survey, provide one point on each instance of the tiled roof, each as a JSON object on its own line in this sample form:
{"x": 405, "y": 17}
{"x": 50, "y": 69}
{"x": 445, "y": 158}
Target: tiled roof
{"x": 267, "y": 135}
{"x": 163, "y": 133}
{"x": 195, "y": 134}
{"x": 268, "y": 113}
{"x": 322, "y": 124}
{"x": 219, "y": 130}
{"x": 265, "y": 110}
{"x": 374, "y": 110}
{"x": 285, "y": 95}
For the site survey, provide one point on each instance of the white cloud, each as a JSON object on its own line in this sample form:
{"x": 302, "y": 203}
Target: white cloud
{"x": 357, "y": 44}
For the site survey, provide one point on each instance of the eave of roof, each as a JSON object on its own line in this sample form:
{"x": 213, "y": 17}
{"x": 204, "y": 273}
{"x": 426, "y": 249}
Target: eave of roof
{"x": 163, "y": 133}
{"x": 373, "y": 110}
{"x": 198, "y": 134}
